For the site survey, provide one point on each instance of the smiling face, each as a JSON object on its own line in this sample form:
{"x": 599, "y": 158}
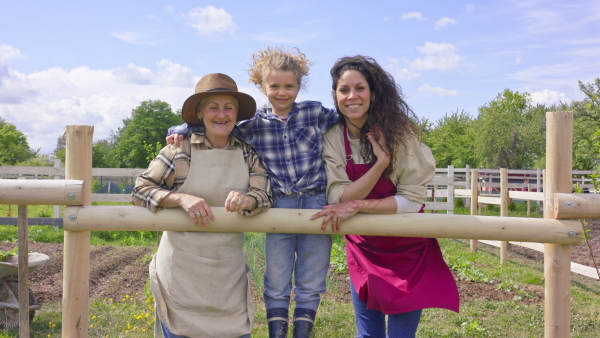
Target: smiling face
{"x": 353, "y": 97}
{"x": 219, "y": 113}
{"x": 282, "y": 88}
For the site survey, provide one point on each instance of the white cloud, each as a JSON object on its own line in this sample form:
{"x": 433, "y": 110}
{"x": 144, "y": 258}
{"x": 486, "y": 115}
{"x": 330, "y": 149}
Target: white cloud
{"x": 209, "y": 21}
{"x": 172, "y": 74}
{"x": 402, "y": 73}
{"x": 134, "y": 38}
{"x": 549, "y": 97}
{"x": 469, "y": 7}
{"x": 445, "y": 21}
{"x": 442, "y": 56}
{"x": 134, "y": 75}
{"x": 412, "y": 15}
{"x": 437, "y": 91}
{"x": 8, "y": 52}
{"x": 547, "y": 72}
{"x": 41, "y": 104}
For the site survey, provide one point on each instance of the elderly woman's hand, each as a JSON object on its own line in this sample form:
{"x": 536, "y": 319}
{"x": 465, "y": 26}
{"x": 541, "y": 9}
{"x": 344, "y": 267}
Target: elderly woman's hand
{"x": 237, "y": 202}
{"x": 198, "y": 209}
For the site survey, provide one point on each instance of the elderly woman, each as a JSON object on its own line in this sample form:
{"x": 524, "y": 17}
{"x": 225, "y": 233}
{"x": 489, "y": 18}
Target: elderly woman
{"x": 200, "y": 280}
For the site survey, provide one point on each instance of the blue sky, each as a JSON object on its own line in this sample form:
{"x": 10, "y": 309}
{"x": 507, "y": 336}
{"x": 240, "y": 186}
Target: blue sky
{"x": 92, "y": 62}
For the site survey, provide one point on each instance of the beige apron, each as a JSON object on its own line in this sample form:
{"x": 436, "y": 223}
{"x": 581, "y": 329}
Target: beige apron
{"x": 200, "y": 280}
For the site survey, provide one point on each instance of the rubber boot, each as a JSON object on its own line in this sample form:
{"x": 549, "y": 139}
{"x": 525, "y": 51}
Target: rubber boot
{"x": 304, "y": 320}
{"x": 278, "y": 322}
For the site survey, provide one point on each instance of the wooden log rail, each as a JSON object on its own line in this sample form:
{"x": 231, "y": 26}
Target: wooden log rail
{"x": 41, "y": 192}
{"x": 131, "y": 218}
{"x": 584, "y": 206}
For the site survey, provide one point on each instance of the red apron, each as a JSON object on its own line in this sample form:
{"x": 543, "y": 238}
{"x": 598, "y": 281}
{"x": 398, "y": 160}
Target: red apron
{"x": 396, "y": 274}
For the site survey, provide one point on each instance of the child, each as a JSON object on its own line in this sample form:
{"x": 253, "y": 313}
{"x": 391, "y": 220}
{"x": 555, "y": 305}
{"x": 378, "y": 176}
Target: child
{"x": 287, "y": 137}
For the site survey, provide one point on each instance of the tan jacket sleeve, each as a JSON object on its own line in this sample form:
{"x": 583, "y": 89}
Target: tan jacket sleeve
{"x": 414, "y": 169}
{"x": 335, "y": 164}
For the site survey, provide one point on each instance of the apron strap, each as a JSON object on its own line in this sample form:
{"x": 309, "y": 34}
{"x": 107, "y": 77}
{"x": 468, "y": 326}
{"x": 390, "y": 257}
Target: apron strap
{"x": 349, "y": 161}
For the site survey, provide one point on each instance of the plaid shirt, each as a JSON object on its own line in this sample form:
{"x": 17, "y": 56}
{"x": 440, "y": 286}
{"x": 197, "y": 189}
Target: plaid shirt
{"x": 291, "y": 151}
{"x": 169, "y": 170}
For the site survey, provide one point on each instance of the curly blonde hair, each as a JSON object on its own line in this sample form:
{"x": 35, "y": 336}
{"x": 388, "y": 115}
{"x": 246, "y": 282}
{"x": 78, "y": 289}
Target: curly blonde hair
{"x": 273, "y": 58}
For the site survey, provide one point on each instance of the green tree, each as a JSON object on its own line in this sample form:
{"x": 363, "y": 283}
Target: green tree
{"x": 148, "y": 124}
{"x": 59, "y": 151}
{"x": 509, "y": 132}
{"x": 103, "y": 154}
{"x": 586, "y": 127}
{"x": 41, "y": 160}
{"x": 451, "y": 140}
{"x": 13, "y": 145}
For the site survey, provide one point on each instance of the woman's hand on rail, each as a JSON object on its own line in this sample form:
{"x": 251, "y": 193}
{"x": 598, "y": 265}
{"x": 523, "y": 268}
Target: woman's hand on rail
{"x": 336, "y": 214}
{"x": 174, "y": 138}
{"x": 237, "y": 202}
{"x": 198, "y": 209}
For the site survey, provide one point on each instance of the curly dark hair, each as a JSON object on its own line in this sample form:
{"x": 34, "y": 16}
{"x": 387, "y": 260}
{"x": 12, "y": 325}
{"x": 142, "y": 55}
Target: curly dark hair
{"x": 388, "y": 112}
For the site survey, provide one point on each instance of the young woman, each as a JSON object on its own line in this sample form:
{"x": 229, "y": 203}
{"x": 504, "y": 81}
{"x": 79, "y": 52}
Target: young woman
{"x": 375, "y": 164}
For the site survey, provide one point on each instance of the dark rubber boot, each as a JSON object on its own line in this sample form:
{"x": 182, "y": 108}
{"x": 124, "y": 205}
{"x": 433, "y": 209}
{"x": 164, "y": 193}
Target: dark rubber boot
{"x": 278, "y": 322}
{"x": 304, "y": 320}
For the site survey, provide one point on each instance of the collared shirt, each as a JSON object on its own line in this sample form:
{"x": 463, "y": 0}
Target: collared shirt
{"x": 290, "y": 150}
{"x": 169, "y": 170}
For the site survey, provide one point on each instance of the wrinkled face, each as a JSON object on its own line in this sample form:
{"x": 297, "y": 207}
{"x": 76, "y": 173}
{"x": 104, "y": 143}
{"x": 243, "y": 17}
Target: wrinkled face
{"x": 353, "y": 97}
{"x": 219, "y": 113}
{"x": 282, "y": 88}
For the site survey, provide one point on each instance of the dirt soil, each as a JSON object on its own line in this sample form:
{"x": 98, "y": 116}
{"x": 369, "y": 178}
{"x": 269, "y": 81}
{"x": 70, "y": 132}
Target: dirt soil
{"x": 119, "y": 271}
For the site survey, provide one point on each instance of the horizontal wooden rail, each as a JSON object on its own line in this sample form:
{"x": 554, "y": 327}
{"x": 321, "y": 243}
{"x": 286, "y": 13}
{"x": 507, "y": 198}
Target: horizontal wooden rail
{"x": 131, "y": 218}
{"x": 489, "y": 199}
{"x": 585, "y": 206}
{"x": 60, "y": 171}
{"x": 41, "y": 192}
{"x": 526, "y": 195}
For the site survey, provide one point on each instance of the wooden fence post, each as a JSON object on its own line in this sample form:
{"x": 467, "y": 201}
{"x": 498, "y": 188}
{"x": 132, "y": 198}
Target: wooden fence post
{"x": 57, "y": 164}
{"x": 76, "y": 269}
{"x": 450, "y": 189}
{"x": 23, "y": 271}
{"x": 474, "y": 200}
{"x": 557, "y": 257}
{"x": 504, "y": 201}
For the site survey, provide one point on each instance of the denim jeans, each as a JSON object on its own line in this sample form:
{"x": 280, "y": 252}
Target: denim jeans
{"x": 306, "y": 256}
{"x": 371, "y": 323}
{"x": 167, "y": 334}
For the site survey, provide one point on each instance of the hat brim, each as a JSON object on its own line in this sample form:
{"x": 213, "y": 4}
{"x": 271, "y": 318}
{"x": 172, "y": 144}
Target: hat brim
{"x": 247, "y": 105}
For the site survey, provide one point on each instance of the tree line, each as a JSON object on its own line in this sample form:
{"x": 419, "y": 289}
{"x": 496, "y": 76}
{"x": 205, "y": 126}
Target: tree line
{"x": 508, "y": 132}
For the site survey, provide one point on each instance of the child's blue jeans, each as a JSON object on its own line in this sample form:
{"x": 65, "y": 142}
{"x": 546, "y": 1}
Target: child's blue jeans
{"x": 306, "y": 256}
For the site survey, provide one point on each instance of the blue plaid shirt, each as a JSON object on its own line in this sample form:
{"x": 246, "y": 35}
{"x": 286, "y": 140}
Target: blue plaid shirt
{"x": 291, "y": 151}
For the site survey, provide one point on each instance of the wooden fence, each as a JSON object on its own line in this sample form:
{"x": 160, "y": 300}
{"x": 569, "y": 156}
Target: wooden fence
{"x": 80, "y": 218}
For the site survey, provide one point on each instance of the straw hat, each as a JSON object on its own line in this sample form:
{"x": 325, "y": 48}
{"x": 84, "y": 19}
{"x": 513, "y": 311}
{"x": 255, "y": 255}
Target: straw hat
{"x": 217, "y": 84}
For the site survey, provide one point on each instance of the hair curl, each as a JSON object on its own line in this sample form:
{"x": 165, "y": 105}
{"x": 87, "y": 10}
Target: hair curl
{"x": 388, "y": 112}
{"x": 273, "y": 58}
